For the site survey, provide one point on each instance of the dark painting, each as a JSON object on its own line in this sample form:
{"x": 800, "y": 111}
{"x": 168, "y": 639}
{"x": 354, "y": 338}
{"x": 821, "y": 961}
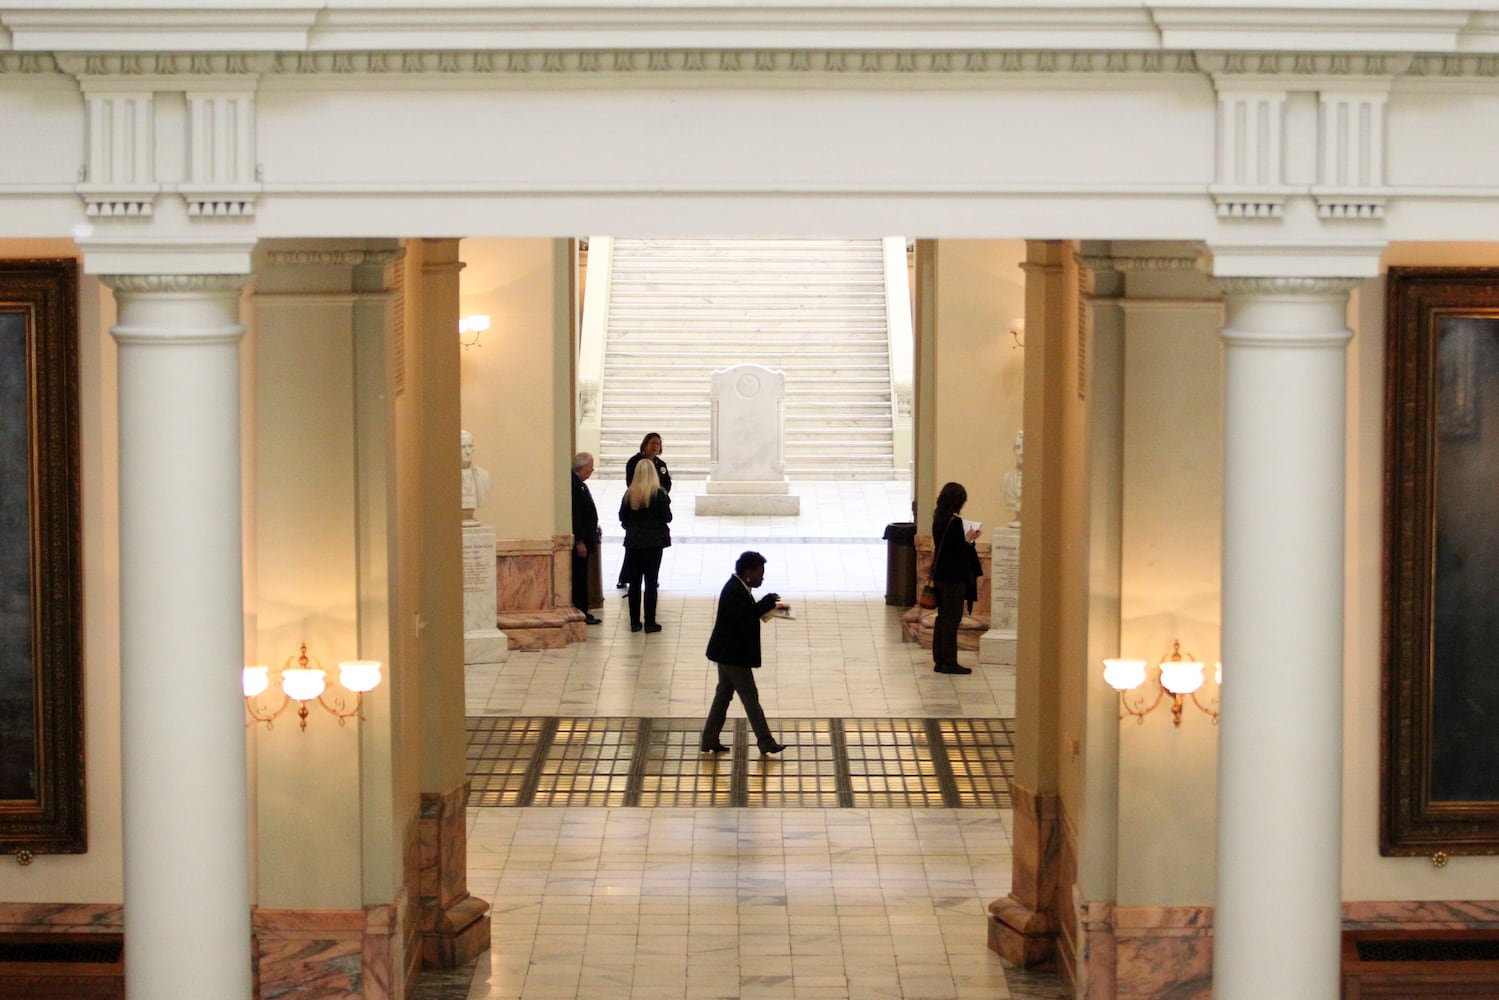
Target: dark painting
{"x": 1440, "y": 743}
{"x": 41, "y": 668}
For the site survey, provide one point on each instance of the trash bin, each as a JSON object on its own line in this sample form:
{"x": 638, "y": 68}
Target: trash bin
{"x": 900, "y": 564}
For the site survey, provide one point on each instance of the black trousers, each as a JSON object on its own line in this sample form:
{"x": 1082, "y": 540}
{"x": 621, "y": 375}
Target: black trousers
{"x": 732, "y": 680}
{"x": 580, "y": 578}
{"x": 949, "y": 617}
{"x": 644, "y": 568}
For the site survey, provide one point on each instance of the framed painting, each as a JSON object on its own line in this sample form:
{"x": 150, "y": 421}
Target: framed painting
{"x": 41, "y": 590}
{"x": 1440, "y": 757}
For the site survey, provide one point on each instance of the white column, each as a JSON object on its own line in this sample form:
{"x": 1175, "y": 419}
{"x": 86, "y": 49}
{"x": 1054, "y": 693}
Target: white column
{"x": 187, "y": 894}
{"x": 1278, "y": 911}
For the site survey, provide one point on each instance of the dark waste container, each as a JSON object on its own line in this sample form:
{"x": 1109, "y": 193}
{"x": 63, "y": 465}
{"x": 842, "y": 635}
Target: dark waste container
{"x": 900, "y": 564}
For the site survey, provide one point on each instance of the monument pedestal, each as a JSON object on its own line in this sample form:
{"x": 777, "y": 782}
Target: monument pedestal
{"x": 747, "y": 470}
{"x": 770, "y": 498}
{"x": 483, "y": 642}
{"x": 998, "y": 644}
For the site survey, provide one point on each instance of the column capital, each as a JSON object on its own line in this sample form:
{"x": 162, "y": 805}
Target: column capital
{"x": 141, "y": 256}
{"x": 207, "y": 284}
{"x": 1296, "y": 260}
{"x": 1284, "y": 286}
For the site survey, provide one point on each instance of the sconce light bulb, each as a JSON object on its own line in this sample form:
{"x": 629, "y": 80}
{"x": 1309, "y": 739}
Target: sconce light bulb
{"x": 359, "y": 675}
{"x": 1218, "y": 674}
{"x": 255, "y": 680}
{"x": 1181, "y": 676}
{"x": 1124, "y": 675}
{"x": 303, "y": 683}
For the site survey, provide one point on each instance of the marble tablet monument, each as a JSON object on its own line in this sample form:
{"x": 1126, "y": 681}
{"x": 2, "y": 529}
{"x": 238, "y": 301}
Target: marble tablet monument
{"x": 747, "y": 461}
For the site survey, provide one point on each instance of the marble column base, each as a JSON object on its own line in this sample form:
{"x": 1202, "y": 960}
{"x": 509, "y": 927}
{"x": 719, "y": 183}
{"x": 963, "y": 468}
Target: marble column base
{"x": 1023, "y": 925}
{"x": 917, "y": 623}
{"x": 454, "y": 925}
{"x": 482, "y": 647}
{"x": 998, "y": 646}
{"x": 552, "y": 629}
{"x": 457, "y": 936}
{"x": 762, "y": 503}
{"x": 344, "y": 953}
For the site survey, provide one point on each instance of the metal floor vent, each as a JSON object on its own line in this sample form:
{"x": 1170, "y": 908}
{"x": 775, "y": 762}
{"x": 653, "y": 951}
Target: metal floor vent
{"x": 828, "y": 763}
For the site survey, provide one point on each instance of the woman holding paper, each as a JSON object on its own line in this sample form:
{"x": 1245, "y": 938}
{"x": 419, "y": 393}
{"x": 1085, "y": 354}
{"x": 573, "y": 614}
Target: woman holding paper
{"x": 955, "y": 572}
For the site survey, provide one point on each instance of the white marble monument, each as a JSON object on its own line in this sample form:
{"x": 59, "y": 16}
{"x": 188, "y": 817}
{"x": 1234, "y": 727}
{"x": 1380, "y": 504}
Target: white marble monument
{"x": 482, "y": 641}
{"x": 747, "y": 464}
{"x": 998, "y": 644}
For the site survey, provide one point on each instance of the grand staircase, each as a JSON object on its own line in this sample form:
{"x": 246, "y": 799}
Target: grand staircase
{"x": 678, "y": 309}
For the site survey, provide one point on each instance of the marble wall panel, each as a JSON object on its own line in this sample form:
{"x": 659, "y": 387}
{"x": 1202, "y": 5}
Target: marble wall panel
{"x": 310, "y": 952}
{"x": 62, "y": 918}
{"x": 1163, "y": 951}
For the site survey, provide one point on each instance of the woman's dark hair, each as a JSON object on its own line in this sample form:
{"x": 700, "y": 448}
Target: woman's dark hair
{"x": 951, "y": 500}
{"x": 647, "y": 440}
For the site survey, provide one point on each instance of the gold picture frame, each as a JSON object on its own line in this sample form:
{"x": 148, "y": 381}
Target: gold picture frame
{"x": 1439, "y": 757}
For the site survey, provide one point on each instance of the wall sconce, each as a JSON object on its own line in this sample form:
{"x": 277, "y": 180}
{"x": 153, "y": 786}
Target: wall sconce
{"x": 1017, "y": 332}
{"x": 1175, "y": 675}
{"x": 469, "y": 329}
{"x": 305, "y": 683}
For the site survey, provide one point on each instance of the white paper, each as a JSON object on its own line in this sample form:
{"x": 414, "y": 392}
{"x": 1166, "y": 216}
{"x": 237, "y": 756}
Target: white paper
{"x": 971, "y": 526}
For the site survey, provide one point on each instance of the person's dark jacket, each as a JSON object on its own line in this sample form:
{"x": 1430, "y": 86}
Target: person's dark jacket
{"x": 661, "y": 471}
{"x": 585, "y": 513}
{"x": 957, "y": 559}
{"x": 646, "y": 528}
{"x": 736, "y": 626}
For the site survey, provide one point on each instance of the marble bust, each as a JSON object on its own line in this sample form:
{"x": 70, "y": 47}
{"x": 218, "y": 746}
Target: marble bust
{"x": 1012, "y": 482}
{"x": 475, "y": 481}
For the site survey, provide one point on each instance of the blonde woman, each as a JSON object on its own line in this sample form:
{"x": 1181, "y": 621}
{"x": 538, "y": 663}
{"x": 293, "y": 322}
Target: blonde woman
{"x": 645, "y": 512}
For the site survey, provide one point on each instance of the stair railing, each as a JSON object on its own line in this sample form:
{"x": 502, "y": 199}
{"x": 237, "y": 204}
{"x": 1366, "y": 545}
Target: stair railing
{"x": 593, "y": 337}
{"x": 901, "y": 340}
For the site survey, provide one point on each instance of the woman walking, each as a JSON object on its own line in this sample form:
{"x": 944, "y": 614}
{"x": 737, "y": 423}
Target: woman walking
{"x": 955, "y": 572}
{"x": 645, "y": 512}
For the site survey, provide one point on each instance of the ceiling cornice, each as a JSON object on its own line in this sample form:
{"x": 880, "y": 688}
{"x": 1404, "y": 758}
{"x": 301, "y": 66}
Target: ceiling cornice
{"x": 1410, "y": 26}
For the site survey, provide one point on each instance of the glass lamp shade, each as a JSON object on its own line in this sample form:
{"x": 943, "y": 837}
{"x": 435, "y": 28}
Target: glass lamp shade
{"x": 1181, "y": 676}
{"x": 1124, "y": 675}
{"x": 255, "y": 680}
{"x": 1218, "y": 674}
{"x": 303, "y": 683}
{"x": 359, "y": 675}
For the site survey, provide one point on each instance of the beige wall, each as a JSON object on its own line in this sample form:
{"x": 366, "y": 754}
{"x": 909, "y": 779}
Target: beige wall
{"x": 516, "y": 399}
{"x": 979, "y": 379}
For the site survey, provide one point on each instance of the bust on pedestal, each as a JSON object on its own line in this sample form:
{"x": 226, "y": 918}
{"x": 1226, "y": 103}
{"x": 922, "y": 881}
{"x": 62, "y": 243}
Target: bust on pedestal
{"x": 482, "y": 641}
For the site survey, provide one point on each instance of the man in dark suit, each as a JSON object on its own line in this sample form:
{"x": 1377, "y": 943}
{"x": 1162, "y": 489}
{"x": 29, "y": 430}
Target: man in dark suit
{"x": 735, "y": 647}
{"x": 586, "y": 533}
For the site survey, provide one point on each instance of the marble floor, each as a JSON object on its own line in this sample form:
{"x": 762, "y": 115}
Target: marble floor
{"x": 690, "y": 903}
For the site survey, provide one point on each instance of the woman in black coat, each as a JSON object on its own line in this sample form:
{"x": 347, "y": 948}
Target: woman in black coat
{"x": 955, "y": 572}
{"x": 645, "y": 512}
{"x": 650, "y": 447}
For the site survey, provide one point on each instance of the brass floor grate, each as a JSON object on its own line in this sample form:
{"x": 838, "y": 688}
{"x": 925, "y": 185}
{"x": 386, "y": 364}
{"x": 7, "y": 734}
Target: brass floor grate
{"x": 829, "y": 763}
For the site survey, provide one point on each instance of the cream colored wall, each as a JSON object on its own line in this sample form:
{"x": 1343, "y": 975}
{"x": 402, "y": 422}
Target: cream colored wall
{"x": 1169, "y": 581}
{"x": 96, "y": 876}
{"x": 1367, "y": 875}
{"x": 980, "y": 373}
{"x": 510, "y": 389}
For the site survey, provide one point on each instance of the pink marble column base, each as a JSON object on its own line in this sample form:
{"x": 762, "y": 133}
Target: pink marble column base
{"x": 1023, "y": 926}
{"x": 455, "y": 925}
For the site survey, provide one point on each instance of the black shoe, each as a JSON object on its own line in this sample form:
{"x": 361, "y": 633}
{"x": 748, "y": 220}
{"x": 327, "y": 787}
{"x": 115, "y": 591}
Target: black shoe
{"x": 715, "y": 748}
{"x": 952, "y": 668}
{"x": 773, "y": 748}
{"x": 589, "y": 619}
{"x": 652, "y": 627}
{"x": 636, "y": 626}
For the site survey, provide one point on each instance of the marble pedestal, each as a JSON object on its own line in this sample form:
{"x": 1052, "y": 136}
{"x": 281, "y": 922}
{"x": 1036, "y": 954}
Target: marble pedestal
{"x": 482, "y": 641}
{"x": 917, "y": 623}
{"x": 998, "y": 644}
{"x": 770, "y": 498}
